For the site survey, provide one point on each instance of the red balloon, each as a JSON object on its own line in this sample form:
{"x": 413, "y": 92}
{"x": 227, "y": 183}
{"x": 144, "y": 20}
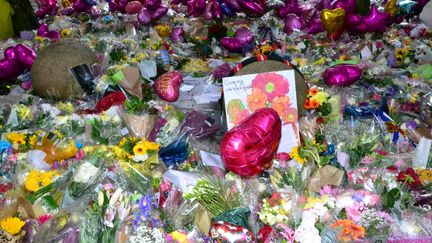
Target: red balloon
{"x": 133, "y": 7}
{"x": 167, "y": 86}
{"x": 248, "y": 149}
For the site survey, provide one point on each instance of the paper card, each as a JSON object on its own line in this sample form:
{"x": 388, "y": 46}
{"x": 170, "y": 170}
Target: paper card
{"x": 210, "y": 159}
{"x": 247, "y": 93}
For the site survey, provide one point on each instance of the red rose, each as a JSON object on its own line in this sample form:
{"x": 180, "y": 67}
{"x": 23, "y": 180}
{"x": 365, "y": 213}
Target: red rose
{"x": 112, "y": 99}
{"x": 264, "y": 233}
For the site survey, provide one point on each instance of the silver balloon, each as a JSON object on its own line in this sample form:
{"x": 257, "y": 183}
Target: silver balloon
{"x": 426, "y": 109}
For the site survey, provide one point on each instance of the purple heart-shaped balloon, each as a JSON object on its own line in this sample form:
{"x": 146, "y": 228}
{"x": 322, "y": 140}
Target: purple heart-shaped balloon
{"x": 348, "y": 5}
{"x": 231, "y": 44}
{"x": 42, "y": 30}
{"x": 177, "y": 34}
{"x": 315, "y": 26}
{"x": 244, "y": 35}
{"x": 292, "y": 23}
{"x": 144, "y": 17}
{"x": 159, "y": 12}
{"x": 53, "y": 35}
{"x": 217, "y": 10}
{"x": 252, "y": 7}
{"x": 10, "y": 53}
{"x": 234, "y": 4}
{"x": 9, "y": 69}
{"x": 342, "y": 75}
{"x": 152, "y": 4}
{"x": 208, "y": 13}
{"x": 354, "y": 23}
{"x": 25, "y": 55}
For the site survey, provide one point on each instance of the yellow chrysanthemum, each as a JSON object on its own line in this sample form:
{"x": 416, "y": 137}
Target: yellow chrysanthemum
{"x": 12, "y": 225}
{"x": 37, "y": 179}
{"x": 24, "y": 112}
{"x": 67, "y": 107}
{"x": 16, "y": 138}
{"x": 163, "y": 30}
{"x": 320, "y": 97}
{"x": 139, "y": 149}
{"x": 295, "y": 155}
{"x": 151, "y": 146}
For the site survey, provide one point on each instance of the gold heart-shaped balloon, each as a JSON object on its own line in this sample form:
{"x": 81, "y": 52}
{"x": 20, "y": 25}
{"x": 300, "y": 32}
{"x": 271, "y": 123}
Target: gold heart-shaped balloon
{"x": 391, "y": 7}
{"x": 333, "y": 19}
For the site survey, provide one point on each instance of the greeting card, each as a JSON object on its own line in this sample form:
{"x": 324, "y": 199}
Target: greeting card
{"x": 247, "y": 93}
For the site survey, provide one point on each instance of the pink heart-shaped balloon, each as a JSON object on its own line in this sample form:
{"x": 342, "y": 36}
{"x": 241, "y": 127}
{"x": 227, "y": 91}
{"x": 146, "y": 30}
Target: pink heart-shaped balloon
{"x": 342, "y": 75}
{"x": 25, "y": 55}
{"x": 133, "y": 7}
{"x": 167, "y": 86}
{"x": 248, "y": 149}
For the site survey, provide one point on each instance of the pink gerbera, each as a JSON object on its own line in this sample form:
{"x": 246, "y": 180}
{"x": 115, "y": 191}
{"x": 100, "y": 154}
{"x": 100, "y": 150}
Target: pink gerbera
{"x": 272, "y": 84}
{"x": 43, "y": 219}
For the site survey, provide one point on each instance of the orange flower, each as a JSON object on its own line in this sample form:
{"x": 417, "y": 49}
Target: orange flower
{"x": 314, "y": 104}
{"x": 349, "y": 230}
{"x": 281, "y": 104}
{"x": 256, "y": 100}
{"x": 307, "y": 104}
{"x": 313, "y": 91}
{"x": 290, "y": 116}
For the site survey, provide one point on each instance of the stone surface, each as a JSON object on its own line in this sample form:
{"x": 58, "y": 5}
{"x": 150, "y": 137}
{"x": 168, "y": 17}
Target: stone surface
{"x": 51, "y": 77}
{"x": 426, "y": 14}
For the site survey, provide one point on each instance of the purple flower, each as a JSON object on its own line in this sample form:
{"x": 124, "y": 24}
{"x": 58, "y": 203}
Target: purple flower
{"x": 357, "y": 197}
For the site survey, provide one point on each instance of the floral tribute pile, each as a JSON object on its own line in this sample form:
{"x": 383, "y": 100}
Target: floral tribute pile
{"x": 137, "y": 156}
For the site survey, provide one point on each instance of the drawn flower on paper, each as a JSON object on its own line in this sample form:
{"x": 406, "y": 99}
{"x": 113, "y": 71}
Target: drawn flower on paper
{"x": 237, "y": 111}
{"x": 257, "y": 100}
{"x": 272, "y": 84}
{"x": 281, "y": 104}
{"x": 290, "y": 116}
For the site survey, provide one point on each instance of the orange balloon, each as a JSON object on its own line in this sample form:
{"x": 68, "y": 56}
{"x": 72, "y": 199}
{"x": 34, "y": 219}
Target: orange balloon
{"x": 391, "y": 7}
{"x": 333, "y": 20}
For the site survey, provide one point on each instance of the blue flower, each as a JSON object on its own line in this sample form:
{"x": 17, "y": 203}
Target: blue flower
{"x": 4, "y": 146}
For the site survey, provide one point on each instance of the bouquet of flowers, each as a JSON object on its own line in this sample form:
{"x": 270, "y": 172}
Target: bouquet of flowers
{"x": 139, "y": 160}
{"x": 139, "y": 117}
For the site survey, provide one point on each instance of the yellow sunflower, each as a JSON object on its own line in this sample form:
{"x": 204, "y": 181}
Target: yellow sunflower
{"x": 140, "y": 149}
{"x": 12, "y": 225}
